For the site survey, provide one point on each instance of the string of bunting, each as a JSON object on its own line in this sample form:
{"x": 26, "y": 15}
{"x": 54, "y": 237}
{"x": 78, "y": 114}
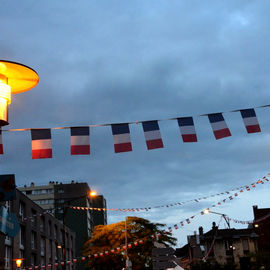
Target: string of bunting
{"x": 114, "y": 251}
{"x": 80, "y": 136}
{"x": 197, "y": 200}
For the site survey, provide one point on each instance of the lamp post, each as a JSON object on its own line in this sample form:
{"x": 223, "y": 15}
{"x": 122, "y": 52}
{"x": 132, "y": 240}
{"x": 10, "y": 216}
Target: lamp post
{"x": 128, "y": 262}
{"x": 14, "y": 78}
{"x": 225, "y": 217}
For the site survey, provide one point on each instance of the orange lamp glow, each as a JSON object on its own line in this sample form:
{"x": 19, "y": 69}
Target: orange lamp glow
{"x": 93, "y": 193}
{"x": 14, "y": 78}
{"x": 18, "y": 263}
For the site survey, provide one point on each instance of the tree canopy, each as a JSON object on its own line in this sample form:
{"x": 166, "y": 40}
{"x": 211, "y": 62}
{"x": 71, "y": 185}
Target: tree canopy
{"x": 108, "y": 237}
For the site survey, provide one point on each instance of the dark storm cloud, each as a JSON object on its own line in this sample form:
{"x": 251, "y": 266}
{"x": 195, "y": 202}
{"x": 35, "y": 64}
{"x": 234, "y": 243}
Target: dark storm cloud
{"x": 109, "y": 62}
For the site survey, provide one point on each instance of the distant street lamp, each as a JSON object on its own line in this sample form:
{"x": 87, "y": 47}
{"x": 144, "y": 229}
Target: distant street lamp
{"x": 14, "y": 78}
{"x": 93, "y": 193}
{"x": 225, "y": 217}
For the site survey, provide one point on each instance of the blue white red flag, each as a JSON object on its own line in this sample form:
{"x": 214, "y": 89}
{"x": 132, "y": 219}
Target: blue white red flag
{"x": 121, "y": 138}
{"x": 219, "y": 126}
{"x": 250, "y": 120}
{"x": 41, "y": 143}
{"x": 152, "y": 135}
{"x": 187, "y": 129}
{"x": 1, "y": 143}
{"x": 80, "y": 142}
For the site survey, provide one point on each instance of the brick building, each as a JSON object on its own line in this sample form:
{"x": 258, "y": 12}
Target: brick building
{"x": 40, "y": 240}
{"x": 57, "y": 196}
{"x": 262, "y": 227}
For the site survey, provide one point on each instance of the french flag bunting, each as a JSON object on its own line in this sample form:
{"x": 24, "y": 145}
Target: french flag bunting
{"x": 250, "y": 120}
{"x": 1, "y": 143}
{"x": 152, "y": 135}
{"x": 80, "y": 142}
{"x": 121, "y": 138}
{"x": 187, "y": 129}
{"x": 219, "y": 125}
{"x": 41, "y": 143}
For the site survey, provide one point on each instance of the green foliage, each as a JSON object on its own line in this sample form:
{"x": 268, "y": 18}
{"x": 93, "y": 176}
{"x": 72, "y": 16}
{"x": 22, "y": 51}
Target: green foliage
{"x": 107, "y": 237}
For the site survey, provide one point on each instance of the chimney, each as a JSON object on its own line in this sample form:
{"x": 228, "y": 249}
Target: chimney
{"x": 214, "y": 227}
{"x": 200, "y": 230}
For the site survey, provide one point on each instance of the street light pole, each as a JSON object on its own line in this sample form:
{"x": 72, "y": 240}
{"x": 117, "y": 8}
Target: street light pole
{"x": 225, "y": 217}
{"x": 126, "y": 242}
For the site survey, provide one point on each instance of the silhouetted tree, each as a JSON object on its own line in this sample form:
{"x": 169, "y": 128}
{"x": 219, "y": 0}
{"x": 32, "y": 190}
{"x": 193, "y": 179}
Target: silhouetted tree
{"x": 107, "y": 237}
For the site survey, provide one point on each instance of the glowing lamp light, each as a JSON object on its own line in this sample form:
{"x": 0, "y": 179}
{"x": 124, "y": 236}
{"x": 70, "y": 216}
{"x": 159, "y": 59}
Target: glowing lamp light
{"x": 14, "y": 78}
{"x": 206, "y": 211}
{"x": 93, "y": 193}
{"x": 18, "y": 263}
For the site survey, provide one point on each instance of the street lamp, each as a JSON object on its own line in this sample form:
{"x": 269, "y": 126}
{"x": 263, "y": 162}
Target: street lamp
{"x": 128, "y": 262}
{"x": 93, "y": 193}
{"x": 225, "y": 217}
{"x": 18, "y": 263}
{"x": 14, "y": 78}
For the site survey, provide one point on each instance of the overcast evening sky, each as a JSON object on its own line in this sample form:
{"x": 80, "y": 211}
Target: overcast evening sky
{"x": 121, "y": 61}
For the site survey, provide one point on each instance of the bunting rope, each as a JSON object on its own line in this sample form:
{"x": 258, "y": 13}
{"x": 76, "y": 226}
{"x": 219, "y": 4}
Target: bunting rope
{"x": 241, "y": 190}
{"x": 80, "y": 136}
{"x": 197, "y": 200}
{"x": 133, "y": 122}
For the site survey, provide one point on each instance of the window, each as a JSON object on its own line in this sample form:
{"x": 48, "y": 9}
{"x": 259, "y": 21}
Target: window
{"x": 33, "y": 240}
{"x": 28, "y": 192}
{"x": 22, "y": 237}
{"x": 8, "y": 258}
{"x": 33, "y": 259}
{"x": 7, "y": 205}
{"x": 245, "y": 244}
{"x": 50, "y": 250}
{"x": 21, "y": 255}
{"x": 42, "y": 246}
{"x": 34, "y": 218}
{"x": 50, "y": 228}
{"x": 42, "y": 261}
{"x": 60, "y": 190}
{"x": 56, "y": 252}
{"x": 55, "y": 232}
{"x": 229, "y": 248}
{"x": 22, "y": 210}
{"x": 42, "y": 224}
{"x": 8, "y": 240}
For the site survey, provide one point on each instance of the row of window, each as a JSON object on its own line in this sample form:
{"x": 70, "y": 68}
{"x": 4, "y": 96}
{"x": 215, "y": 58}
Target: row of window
{"x": 47, "y": 201}
{"x": 42, "y": 191}
{"x": 53, "y": 248}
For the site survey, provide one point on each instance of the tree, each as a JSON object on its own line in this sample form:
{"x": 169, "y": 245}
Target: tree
{"x": 108, "y": 237}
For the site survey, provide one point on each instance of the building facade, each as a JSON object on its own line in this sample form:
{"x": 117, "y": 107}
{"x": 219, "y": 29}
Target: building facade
{"x": 41, "y": 241}
{"x": 58, "y": 196}
{"x": 262, "y": 227}
{"x": 222, "y": 245}
{"x": 99, "y": 217}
